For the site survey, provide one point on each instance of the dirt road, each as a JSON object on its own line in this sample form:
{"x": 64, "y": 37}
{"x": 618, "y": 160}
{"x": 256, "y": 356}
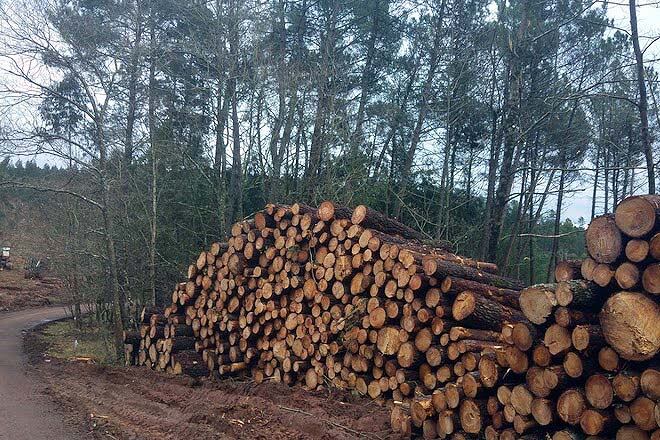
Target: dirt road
{"x": 130, "y": 403}
{"x": 27, "y": 413}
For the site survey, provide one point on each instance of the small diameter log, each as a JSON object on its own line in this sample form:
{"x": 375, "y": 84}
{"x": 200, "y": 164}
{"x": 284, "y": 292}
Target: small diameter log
{"x": 637, "y": 250}
{"x": 604, "y": 240}
{"x": 483, "y": 313}
{"x": 370, "y": 218}
{"x": 570, "y": 406}
{"x": 567, "y": 270}
{"x": 568, "y": 434}
{"x": 421, "y": 409}
{"x": 650, "y": 383}
{"x": 521, "y": 399}
{"x": 446, "y": 268}
{"x": 587, "y": 336}
{"x": 642, "y": 411}
{"x": 538, "y": 301}
{"x": 579, "y": 295}
{"x": 608, "y": 359}
{"x": 599, "y": 391}
{"x": 603, "y": 275}
{"x": 148, "y": 311}
{"x": 470, "y": 416}
{"x": 629, "y": 321}
{"x": 627, "y": 275}
{"x": 507, "y": 297}
{"x": 388, "y": 341}
{"x": 631, "y": 432}
{"x": 636, "y": 216}
{"x": 587, "y": 268}
{"x": 654, "y": 246}
{"x": 542, "y": 411}
{"x": 573, "y": 365}
{"x": 626, "y": 386}
{"x": 132, "y": 338}
{"x": 651, "y": 279}
{"x": 594, "y": 422}
{"x": 329, "y": 210}
{"x": 557, "y": 339}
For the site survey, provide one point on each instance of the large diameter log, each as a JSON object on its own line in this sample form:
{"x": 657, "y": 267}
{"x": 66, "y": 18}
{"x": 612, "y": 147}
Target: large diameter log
{"x": 636, "y": 216}
{"x": 604, "y": 240}
{"x": 629, "y": 321}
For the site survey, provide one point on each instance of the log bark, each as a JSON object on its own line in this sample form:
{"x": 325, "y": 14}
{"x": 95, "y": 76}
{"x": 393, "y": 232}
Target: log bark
{"x": 507, "y": 297}
{"x": 370, "y": 218}
{"x": 483, "y": 313}
{"x": 445, "y": 268}
{"x": 329, "y": 210}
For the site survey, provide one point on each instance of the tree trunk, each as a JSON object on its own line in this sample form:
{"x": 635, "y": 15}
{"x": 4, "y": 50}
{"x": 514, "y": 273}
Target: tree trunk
{"x": 423, "y": 109}
{"x": 154, "y": 166}
{"x": 642, "y": 105}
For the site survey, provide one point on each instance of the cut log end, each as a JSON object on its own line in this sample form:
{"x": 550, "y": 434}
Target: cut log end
{"x": 637, "y": 215}
{"x": 604, "y": 240}
{"x": 629, "y": 321}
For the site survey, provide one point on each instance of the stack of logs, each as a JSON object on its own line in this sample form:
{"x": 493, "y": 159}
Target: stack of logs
{"x": 593, "y": 360}
{"x": 353, "y": 299}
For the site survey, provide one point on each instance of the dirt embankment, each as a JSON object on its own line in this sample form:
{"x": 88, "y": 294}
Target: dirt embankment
{"x": 18, "y": 292}
{"x": 24, "y": 228}
{"x": 137, "y": 403}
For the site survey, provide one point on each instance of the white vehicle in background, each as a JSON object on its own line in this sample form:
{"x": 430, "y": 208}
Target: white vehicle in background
{"x": 5, "y": 263}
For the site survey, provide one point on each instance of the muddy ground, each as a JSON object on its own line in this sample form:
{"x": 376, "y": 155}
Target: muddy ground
{"x": 137, "y": 403}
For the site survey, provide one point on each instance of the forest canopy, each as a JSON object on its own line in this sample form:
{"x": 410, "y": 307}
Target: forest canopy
{"x": 157, "y": 124}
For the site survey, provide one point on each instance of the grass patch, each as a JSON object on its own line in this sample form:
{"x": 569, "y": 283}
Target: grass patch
{"x": 68, "y": 342}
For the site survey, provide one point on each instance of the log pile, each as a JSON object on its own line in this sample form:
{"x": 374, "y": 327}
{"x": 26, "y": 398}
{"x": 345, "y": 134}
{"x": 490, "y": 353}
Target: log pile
{"x": 593, "y": 367}
{"x": 352, "y": 299}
